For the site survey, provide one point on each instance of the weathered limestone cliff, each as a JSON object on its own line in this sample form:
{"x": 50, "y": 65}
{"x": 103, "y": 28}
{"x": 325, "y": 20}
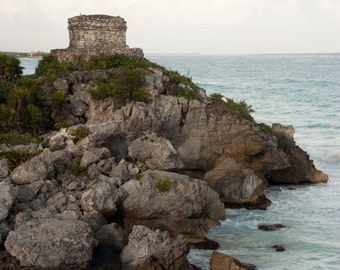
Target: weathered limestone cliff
{"x": 128, "y": 184}
{"x": 168, "y": 164}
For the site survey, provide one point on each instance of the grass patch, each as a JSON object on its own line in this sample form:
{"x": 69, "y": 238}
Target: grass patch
{"x": 124, "y": 84}
{"x": 16, "y": 139}
{"x": 75, "y": 169}
{"x": 266, "y": 129}
{"x": 163, "y": 185}
{"x": 79, "y": 134}
{"x": 138, "y": 176}
{"x": 241, "y": 108}
{"x": 15, "y": 158}
{"x": 186, "y": 93}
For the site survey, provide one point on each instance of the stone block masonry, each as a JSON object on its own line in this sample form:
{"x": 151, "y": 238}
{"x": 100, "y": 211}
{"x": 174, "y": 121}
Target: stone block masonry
{"x": 95, "y": 34}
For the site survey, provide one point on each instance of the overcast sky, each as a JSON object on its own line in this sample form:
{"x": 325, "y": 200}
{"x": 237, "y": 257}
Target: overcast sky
{"x": 182, "y": 26}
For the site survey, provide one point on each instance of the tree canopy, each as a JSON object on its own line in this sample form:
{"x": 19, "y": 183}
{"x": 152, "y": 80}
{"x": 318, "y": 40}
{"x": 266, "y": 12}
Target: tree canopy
{"x": 10, "y": 68}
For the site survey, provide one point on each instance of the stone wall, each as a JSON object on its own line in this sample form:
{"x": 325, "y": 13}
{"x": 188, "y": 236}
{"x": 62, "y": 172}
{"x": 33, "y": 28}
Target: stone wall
{"x": 94, "y": 34}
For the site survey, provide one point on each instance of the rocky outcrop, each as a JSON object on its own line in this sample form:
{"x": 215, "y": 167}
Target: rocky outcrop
{"x": 220, "y": 261}
{"x": 52, "y": 244}
{"x": 38, "y": 168}
{"x": 235, "y": 182}
{"x": 301, "y": 169}
{"x": 4, "y": 170}
{"x": 156, "y": 153}
{"x": 149, "y": 249}
{"x": 158, "y": 136}
{"x": 6, "y": 198}
{"x": 103, "y": 196}
{"x": 171, "y": 165}
{"x": 173, "y": 201}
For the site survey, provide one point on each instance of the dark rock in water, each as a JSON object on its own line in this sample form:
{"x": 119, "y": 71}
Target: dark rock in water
{"x": 205, "y": 244}
{"x": 261, "y": 203}
{"x": 278, "y": 248}
{"x": 270, "y": 227}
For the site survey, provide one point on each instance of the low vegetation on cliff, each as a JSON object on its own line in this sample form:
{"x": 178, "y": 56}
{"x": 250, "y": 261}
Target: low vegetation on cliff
{"x": 31, "y": 104}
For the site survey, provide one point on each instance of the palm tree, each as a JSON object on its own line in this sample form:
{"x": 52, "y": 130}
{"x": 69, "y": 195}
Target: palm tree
{"x": 10, "y": 68}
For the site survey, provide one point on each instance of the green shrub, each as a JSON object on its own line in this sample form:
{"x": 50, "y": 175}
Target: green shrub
{"x": 63, "y": 124}
{"x": 75, "y": 169}
{"x": 186, "y": 93}
{"x": 8, "y": 118}
{"x": 216, "y": 97}
{"x": 163, "y": 185}
{"x": 240, "y": 108}
{"x": 79, "y": 134}
{"x": 184, "y": 86}
{"x": 52, "y": 68}
{"x": 15, "y": 139}
{"x": 266, "y": 129}
{"x": 57, "y": 148}
{"x": 10, "y": 68}
{"x": 15, "y": 158}
{"x": 5, "y": 89}
{"x": 107, "y": 61}
{"x": 138, "y": 176}
{"x": 124, "y": 84}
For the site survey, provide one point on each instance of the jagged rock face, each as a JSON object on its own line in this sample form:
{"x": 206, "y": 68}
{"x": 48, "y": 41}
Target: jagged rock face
{"x": 52, "y": 244}
{"x": 4, "y": 170}
{"x": 103, "y": 196}
{"x": 155, "y": 152}
{"x": 172, "y": 201}
{"x": 160, "y": 194}
{"x": 220, "y": 261}
{"x": 235, "y": 182}
{"x": 196, "y": 138}
{"x": 199, "y": 136}
{"x": 38, "y": 168}
{"x": 302, "y": 169}
{"x": 6, "y": 198}
{"x": 149, "y": 249}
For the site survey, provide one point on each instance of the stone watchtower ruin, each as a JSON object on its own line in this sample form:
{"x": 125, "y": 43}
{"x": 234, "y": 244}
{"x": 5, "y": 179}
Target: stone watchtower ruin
{"x": 95, "y": 34}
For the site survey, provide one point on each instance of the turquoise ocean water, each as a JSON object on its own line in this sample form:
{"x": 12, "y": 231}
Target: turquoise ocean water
{"x": 302, "y": 90}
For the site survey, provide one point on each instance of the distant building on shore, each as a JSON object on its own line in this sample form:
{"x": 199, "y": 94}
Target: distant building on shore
{"x": 95, "y": 34}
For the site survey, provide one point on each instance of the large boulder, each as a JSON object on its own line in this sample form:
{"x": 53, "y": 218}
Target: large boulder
{"x": 161, "y": 194}
{"x": 149, "y": 249}
{"x": 39, "y": 167}
{"x": 61, "y": 85}
{"x": 236, "y": 182}
{"x": 6, "y": 198}
{"x": 220, "y": 261}
{"x": 52, "y": 244}
{"x": 301, "y": 169}
{"x": 102, "y": 196}
{"x": 155, "y": 152}
{"x": 174, "y": 202}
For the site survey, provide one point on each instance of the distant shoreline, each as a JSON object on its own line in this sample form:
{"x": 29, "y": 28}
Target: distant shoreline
{"x": 32, "y": 54}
